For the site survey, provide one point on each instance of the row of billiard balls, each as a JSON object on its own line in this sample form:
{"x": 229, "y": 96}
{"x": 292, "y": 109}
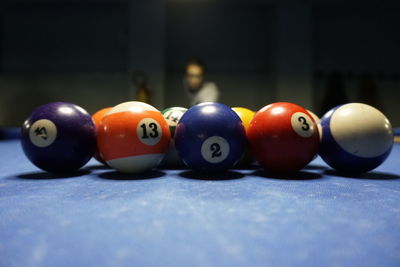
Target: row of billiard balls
{"x": 134, "y": 137}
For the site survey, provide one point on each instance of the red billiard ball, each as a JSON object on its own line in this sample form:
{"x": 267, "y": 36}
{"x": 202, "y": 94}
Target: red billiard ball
{"x": 283, "y": 137}
{"x": 97, "y": 117}
{"x": 133, "y": 137}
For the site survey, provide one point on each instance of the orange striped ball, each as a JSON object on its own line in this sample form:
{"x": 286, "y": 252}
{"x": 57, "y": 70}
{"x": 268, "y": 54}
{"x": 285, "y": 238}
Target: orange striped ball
{"x": 133, "y": 137}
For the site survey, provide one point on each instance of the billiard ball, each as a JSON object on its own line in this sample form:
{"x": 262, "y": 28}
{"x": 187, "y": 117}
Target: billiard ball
{"x": 97, "y": 117}
{"x": 317, "y": 120}
{"x": 59, "y": 137}
{"x": 133, "y": 137}
{"x": 210, "y": 137}
{"x": 356, "y": 138}
{"x": 246, "y": 115}
{"x": 283, "y": 137}
{"x": 314, "y": 116}
{"x": 396, "y": 133}
{"x": 172, "y": 116}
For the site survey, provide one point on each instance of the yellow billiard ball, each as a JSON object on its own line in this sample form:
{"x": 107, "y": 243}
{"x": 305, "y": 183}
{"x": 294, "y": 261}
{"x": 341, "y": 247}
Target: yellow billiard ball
{"x": 246, "y": 115}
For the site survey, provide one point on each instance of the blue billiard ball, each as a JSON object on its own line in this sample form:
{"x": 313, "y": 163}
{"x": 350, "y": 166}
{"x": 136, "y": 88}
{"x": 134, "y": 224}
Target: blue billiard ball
{"x": 59, "y": 137}
{"x": 356, "y": 138}
{"x": 210, "y": 137}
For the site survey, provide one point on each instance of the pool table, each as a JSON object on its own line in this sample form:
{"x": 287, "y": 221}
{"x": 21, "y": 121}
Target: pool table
{"x": 176, "y": 217}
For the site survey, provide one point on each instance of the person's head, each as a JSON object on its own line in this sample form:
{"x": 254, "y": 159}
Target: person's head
{"x": 194, "y": 74}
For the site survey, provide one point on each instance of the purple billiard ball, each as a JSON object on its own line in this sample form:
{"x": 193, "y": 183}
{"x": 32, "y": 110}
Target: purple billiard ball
{"x": 59, "y": 137}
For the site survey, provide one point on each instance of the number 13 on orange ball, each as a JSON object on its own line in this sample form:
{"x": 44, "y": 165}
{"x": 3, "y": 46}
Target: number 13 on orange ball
{"x": 133, "y": 137}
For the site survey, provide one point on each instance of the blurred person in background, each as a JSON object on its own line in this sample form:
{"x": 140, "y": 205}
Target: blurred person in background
{"x": 198, "y": 90}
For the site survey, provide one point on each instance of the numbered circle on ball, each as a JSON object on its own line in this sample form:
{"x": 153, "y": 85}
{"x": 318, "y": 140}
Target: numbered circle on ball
{"x": 173, "y": 116}
{"x": 302, "y": 124}
{"x": 149, "y": 131}
{"x": 215, "y": 149}
{"x": 43, "y": 133}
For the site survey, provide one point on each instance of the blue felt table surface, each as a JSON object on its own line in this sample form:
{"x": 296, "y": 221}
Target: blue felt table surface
{"x": 174, "y": 218}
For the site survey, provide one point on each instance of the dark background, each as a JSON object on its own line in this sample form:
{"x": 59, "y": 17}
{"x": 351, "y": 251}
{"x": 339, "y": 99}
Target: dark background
{"x": 314, "y": 53}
